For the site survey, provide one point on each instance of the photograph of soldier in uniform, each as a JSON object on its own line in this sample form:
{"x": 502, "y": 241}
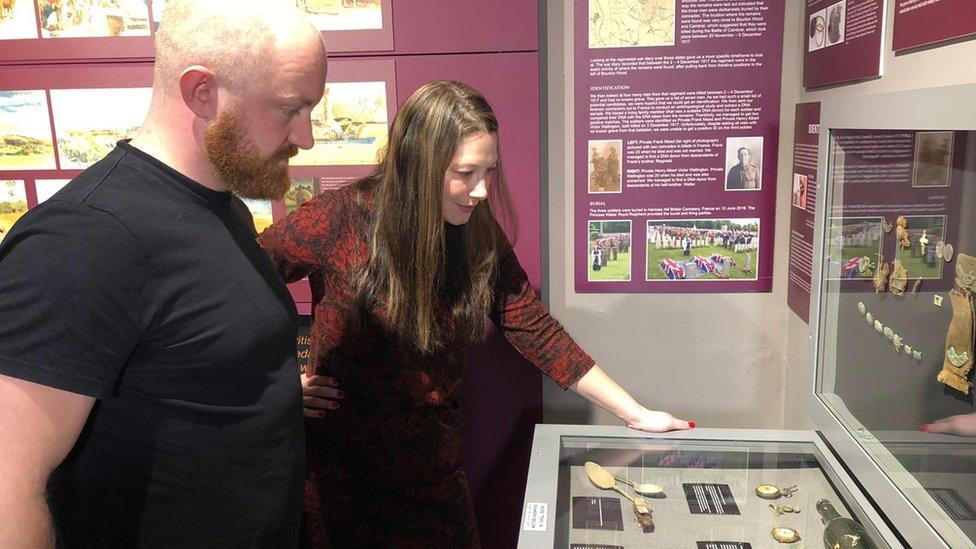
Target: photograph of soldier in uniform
{"x": 743, "y": 163}
{"x": 933, "y": 159}
{"x": 800, "y": 183}
{"x": 835, "y": 23}
{"x": 817, "y": 35}
{"x": 605, "y": 160}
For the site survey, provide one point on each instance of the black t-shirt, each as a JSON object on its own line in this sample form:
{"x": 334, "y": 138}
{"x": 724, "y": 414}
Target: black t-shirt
{"x": 139, "y": 287}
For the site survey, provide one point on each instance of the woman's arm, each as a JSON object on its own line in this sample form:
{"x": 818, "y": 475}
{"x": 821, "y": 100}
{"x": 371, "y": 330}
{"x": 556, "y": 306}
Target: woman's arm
{"x": 597, "y": 387}
{"x": 299, "y": 244}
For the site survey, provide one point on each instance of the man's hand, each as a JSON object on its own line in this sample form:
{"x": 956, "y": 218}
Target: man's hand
{"x": 653, "y": 421}
{"x": 963, "y": 425}
{"x": 319, "y": 393}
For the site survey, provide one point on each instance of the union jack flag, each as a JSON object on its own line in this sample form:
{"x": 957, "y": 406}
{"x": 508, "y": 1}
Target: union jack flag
{"x": 719, "y": 258}
{"x": 850, "y": 268}
{"x": 672, "y": 268}
{"x": 704, "y": 265}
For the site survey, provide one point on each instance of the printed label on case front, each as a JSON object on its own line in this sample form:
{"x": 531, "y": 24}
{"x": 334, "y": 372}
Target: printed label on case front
{"x": 724, "y": 545}
{"x": 535, "y": 517}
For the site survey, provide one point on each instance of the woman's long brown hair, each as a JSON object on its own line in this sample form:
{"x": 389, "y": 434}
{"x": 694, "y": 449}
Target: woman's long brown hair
{"x": 415, "y": 257}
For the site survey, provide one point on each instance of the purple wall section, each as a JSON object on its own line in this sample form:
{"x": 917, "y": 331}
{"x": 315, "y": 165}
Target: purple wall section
{"x": 458, "y": 26}
{"x": 502, "y": 395}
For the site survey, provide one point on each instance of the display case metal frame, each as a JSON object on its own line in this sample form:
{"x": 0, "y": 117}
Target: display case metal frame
{"x": 876, "y": 469}
{"x": 542, "y": 484}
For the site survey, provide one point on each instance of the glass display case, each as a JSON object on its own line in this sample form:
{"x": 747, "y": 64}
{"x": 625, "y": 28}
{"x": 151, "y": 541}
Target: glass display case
{"x": 892, "y": 323}
{"x": 707, "y": 488}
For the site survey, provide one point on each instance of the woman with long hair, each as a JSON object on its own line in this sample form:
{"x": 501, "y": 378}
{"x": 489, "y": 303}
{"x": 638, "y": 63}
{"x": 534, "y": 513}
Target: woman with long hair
{"x": 405, "y": 266}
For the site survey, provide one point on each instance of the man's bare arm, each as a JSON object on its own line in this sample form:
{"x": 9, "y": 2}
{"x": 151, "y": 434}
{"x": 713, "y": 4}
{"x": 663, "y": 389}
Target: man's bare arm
{"x": 38, "y": 427}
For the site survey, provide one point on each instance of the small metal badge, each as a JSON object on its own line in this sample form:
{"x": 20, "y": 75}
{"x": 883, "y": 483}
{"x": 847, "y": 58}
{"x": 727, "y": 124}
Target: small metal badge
{"x": 869, "y": 318}
{"x": 861, "y": 308}
{"x": 785, "y": 535}
{"x": 781, "y": 510}
{"x": 937, "y": 300}
{"x": 878, "y": 326}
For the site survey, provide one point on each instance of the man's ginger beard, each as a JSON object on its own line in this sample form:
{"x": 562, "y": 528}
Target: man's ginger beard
{"x": 237, "y": 162}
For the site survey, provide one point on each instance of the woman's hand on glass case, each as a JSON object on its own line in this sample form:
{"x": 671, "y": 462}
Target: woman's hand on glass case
{"x": 654, "y": 421}
{"x": 963, "y": 425}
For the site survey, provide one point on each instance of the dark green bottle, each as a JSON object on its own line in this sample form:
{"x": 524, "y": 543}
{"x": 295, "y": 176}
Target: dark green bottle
{"x": 842, "y": 532}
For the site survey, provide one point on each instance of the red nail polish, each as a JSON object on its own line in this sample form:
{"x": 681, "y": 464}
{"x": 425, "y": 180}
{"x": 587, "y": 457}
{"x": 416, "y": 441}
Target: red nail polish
{"x": 925, "y": 427}
{"x": 340, "y": 394}
{"x": 691, "y": 424}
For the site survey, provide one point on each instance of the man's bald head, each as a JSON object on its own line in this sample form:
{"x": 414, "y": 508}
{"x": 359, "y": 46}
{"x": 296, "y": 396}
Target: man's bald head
{"x": 236, "y": 39}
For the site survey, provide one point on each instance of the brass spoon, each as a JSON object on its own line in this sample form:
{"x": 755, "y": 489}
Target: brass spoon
{"x": 644, "y": 489}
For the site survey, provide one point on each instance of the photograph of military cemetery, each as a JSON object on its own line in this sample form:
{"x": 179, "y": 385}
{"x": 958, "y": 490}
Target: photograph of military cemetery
{"x": 703, "y": 249}
{"x": 609, "y": 251}
{"x": 853, "y": 247}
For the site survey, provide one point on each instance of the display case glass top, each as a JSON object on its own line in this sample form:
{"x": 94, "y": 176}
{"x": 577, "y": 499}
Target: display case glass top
{"x": 710, "y": 489}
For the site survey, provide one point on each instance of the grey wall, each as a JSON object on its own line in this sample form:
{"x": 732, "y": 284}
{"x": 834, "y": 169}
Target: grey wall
{"x": 746, "y": 362}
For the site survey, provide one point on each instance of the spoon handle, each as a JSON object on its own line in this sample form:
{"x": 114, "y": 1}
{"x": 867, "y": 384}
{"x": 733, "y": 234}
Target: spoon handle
{"x": 627, "y": 482}
{"x": 624, "y": 494}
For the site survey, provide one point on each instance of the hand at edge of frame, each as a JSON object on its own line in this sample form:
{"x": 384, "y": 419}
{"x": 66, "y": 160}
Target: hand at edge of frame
{"x": 962, "y": 425}
{"x": 319, "y": 394}
{"x": 654, "y": 421}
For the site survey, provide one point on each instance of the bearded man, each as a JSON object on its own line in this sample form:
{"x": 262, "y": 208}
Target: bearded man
{"x": 147, "y": 345}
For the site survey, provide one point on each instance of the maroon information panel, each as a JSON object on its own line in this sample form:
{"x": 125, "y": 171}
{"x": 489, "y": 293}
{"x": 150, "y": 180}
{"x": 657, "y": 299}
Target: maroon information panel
{"x": 44, "y": 31}
{"x": 843, "y": 41}
{"x": 676, "y": 134}
{"x": 803, "y": 200}
{"x": 924, "y": 22}
{"x": 895, "y": 196}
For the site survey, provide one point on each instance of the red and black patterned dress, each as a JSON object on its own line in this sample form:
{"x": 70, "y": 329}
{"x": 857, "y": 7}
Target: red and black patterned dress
{"x": 385, "y": 468}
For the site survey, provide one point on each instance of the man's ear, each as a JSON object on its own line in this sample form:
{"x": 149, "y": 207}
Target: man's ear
{"x": 199, "y": 90}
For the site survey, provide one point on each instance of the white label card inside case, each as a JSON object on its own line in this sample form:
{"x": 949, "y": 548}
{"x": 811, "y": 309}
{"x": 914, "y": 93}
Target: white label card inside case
{"x": 535, "y": 517}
